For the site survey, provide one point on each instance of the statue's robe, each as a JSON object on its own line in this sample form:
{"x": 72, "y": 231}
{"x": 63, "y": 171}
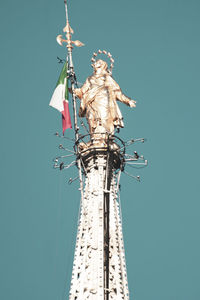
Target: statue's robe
{"x": 98, "y": 104}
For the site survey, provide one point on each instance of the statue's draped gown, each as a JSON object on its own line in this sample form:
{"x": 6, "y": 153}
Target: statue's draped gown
{"x": 98, "y": 103}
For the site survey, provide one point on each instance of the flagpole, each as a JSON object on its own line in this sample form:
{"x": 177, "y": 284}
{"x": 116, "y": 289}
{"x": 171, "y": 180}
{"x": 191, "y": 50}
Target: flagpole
{"x": 72, "y": 79}
{"x": 68, "y": 30}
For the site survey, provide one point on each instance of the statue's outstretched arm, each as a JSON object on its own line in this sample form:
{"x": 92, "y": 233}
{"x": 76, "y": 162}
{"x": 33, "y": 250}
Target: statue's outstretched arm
{"x": 118, "y": 93}
{"x": 124, "y": 99}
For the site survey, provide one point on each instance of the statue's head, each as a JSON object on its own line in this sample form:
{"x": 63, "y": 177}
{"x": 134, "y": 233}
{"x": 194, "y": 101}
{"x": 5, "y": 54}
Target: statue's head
{"x": 100, "y": 67}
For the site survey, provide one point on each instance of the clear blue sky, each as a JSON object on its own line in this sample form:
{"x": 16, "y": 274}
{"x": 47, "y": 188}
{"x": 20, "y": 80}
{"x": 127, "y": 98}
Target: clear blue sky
{"x": 156, "y": 48}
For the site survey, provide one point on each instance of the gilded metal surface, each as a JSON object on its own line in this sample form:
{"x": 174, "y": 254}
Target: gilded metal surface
{"x": 69, "y": 31}
{"x": 98, "y": 97}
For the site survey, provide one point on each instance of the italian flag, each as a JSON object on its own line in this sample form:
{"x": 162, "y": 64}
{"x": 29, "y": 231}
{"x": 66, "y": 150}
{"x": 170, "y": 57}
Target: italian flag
{"x": 59, "y": 99}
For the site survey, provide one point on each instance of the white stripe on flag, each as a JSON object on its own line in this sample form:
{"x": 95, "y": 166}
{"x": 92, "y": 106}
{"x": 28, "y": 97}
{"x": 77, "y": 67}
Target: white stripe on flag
{"x": 58, "y": 97}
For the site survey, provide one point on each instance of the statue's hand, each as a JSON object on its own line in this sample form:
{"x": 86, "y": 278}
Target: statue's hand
{"x": 132, "y": 103}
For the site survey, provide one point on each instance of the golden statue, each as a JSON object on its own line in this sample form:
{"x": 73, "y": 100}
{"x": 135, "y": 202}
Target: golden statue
{"x": 98, "y": 97}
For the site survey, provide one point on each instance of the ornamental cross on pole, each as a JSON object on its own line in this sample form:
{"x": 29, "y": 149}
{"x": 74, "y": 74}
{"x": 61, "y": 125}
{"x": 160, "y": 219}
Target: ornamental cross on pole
{"x": 69, "y": 31}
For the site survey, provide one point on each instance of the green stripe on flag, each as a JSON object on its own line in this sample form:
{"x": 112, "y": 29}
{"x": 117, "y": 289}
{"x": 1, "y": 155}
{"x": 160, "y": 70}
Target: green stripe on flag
{"x": 66, "y": 89}
{"x": 63, "y": 75}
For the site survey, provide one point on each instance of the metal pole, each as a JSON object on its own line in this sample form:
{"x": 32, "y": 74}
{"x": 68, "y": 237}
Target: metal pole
{"x": 68, "y": 31}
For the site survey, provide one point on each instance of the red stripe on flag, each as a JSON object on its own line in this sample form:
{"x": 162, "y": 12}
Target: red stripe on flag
{"x": 66, "y": 119}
